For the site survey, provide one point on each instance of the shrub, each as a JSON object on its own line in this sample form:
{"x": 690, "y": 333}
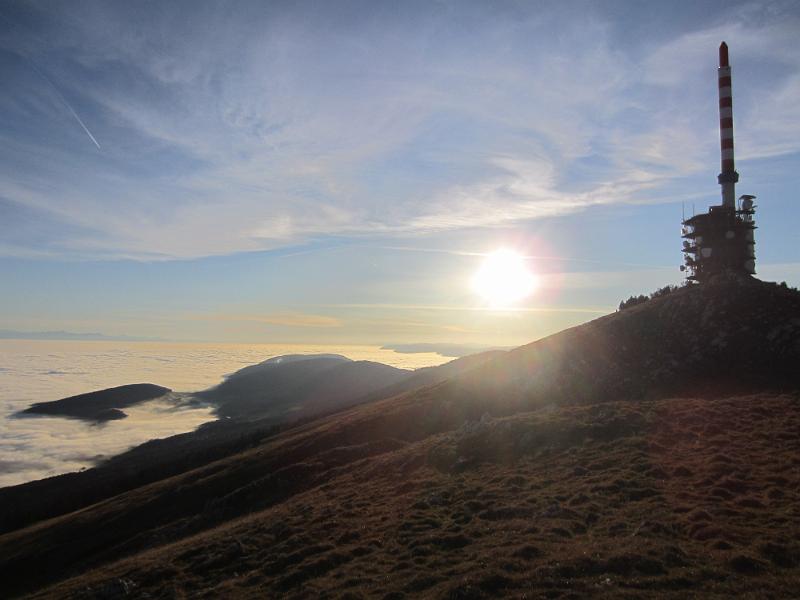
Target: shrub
{"x": 632, "y": 301}
{"x": 663, "y": 291}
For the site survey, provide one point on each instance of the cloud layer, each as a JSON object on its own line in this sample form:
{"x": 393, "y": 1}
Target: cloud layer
{"x": 32, "y": 448}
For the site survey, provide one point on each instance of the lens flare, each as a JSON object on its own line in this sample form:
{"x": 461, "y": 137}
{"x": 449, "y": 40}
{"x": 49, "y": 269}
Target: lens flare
{"x": 503, "y": 279}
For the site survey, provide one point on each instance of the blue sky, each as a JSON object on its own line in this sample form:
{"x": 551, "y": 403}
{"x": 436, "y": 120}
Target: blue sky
{"x": 334, "y": 171}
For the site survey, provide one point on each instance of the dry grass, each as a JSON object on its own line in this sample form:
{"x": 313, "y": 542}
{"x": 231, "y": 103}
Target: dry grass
{"x": 621, "y": 459}
{"x": 660, "y": 499}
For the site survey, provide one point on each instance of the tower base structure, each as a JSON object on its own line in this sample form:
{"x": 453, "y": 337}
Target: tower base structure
{"x": 720, "y": 241}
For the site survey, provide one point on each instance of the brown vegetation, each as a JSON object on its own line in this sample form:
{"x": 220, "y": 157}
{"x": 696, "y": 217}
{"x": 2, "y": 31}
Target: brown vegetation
{"x": 664, "y": 498}
{"x": 651, "y": 453}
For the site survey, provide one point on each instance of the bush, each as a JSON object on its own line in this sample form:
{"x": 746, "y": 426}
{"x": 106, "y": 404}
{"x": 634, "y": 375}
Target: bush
{"x": 664, "y": 291}
{"x": 634, "y": 300}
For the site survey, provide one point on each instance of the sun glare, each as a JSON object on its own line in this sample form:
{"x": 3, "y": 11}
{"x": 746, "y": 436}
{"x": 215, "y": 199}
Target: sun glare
{"x": 503, "y": 279}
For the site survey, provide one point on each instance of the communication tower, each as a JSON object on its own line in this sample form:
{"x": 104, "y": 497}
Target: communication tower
{"x": 722, "y": 240}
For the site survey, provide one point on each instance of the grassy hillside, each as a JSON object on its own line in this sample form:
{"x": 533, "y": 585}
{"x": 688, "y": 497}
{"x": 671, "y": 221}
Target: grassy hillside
{"x": 654, "y": 451}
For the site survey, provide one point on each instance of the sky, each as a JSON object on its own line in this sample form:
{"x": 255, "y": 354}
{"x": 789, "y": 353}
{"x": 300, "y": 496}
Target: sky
{"x": 337, "y": 172}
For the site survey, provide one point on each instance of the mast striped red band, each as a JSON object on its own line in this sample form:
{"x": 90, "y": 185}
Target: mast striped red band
{"x": 725, "y": 114}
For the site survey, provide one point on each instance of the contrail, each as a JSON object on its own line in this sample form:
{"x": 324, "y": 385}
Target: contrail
{"x": 67, "y": 104}
{"x": 85, "y": 128}
{"x": 52, "y": 85}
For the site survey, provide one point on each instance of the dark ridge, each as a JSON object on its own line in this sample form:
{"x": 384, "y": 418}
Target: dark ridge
{"x": 102, "y": 405}
{"x": 297, "y": 386}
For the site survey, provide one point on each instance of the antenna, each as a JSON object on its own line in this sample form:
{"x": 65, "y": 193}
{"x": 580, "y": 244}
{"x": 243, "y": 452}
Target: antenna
{"x": 728, "y": 175}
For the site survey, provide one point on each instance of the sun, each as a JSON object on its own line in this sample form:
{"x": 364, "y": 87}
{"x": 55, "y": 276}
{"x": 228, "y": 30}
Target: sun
{"x": 503, "y": 279}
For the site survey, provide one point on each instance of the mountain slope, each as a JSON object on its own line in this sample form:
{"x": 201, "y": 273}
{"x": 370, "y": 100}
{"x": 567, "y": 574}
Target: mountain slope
{"x": 158, "y": 459}
{"x": 568, "y": 464}
{"x": 729, "y": 335}
{"x": 666, "y": 498}
{"x": 427, "y": 376}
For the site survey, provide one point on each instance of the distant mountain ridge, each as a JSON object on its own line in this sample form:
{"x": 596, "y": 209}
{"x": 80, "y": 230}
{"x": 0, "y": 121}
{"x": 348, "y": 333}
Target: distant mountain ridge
{"x": 10, "y": 334}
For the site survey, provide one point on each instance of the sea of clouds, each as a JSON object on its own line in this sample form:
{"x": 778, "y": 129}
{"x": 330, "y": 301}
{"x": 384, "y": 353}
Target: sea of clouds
{"x": 41, "y": 370}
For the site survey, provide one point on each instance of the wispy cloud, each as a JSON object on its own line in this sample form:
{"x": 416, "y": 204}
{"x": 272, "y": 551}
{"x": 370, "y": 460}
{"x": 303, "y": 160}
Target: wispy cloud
{"x": 510, "y": 309}
{"x": 289, "y": 319}
{"x": 269, "y": 126}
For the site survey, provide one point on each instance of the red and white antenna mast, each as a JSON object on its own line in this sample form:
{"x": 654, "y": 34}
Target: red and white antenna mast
{"x": 728, "y": 175}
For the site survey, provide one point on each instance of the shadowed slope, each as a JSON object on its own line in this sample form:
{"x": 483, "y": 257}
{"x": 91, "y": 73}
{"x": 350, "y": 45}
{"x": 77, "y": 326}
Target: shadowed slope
{"x": 667, "y": 499}
{"x": 432, "y": 375}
